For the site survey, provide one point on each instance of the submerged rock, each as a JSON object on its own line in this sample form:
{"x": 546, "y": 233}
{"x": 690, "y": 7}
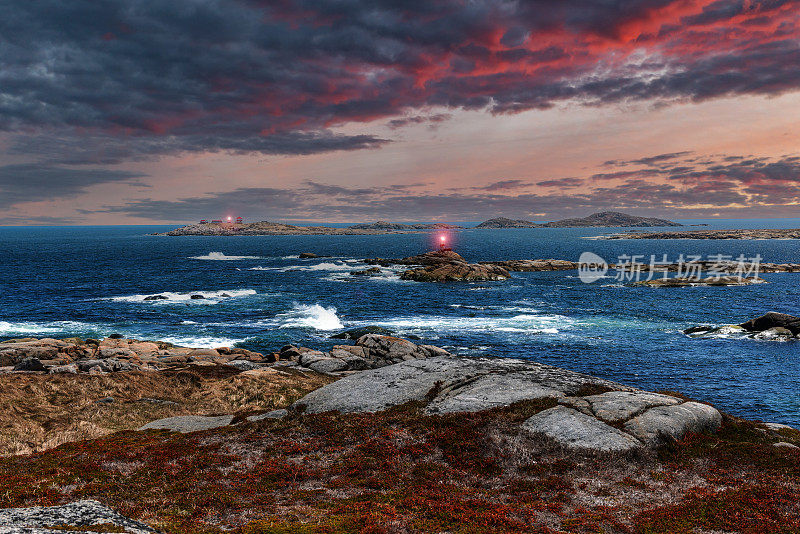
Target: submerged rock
{"x": 771, "y": 326}
{"x": 372, "y": 271}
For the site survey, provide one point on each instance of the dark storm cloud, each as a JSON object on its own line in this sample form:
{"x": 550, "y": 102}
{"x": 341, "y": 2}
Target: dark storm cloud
{"x": 33, "y": 182}
{"x": 144, "y": 78}
{"x": 565, "y": 183}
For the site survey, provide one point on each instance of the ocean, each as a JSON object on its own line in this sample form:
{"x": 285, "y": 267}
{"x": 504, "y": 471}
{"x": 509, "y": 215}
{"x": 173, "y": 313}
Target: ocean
{"x": 258, "y": 294}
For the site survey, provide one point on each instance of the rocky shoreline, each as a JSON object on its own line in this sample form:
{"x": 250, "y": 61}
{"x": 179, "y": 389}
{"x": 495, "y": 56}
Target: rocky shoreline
{"x": 391, "y": 419}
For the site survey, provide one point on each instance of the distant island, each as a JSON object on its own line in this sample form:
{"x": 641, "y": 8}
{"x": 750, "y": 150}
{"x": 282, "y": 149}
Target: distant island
{"x": 602, "y": 219}
{"x": 503, "y": 222}
{"x": 394, "y": 227}
{"x": 221, "y": 228}
{"x": 755, "y": 233}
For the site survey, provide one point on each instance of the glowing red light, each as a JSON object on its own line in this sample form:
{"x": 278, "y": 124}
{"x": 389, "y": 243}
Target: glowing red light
{"x": 229, "y": 218}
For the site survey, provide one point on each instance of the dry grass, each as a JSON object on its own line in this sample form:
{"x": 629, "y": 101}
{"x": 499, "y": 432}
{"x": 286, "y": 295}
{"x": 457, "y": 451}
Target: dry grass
{"x": 38, "y": 412}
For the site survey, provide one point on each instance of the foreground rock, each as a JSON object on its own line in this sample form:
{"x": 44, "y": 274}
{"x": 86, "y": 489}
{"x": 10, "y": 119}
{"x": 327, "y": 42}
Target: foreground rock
{"x": 82, "y": 517}
{"x": 771, "y": 326}
{"x": 189, "y": 423}
{"x": 580, "y": 421}
{"x": 371, "y": 351}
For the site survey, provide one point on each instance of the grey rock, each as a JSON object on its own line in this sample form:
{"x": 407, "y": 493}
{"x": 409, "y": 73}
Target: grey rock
{"x": 79, "y": 514}
{"x": 30, "y": 364}
{"x": 86, "y": 365}
{"x": 615, "y": 406}
{"x": 443, "y": 376}
{"x": 577, "y": 403}
{"x": 575, "y": 430}
{"x": 491, "y": 391}
{"x": 244, "y": 365}
{"x": 70, "y": 368}
{"x": 274, "y": 414}
{"x": 661, "y": 422}
{"x": 785, "y": 445}
{"x": 328, "y": 365}
{"x": 189, "y": 423}
{"x": 196, "y": 297}
{"x": 105, "y": 400}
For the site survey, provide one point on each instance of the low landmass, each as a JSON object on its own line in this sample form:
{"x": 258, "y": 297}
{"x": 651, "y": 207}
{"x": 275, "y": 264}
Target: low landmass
{"x": 394, "y": 227}
{"x": 503, "y": 222}
{"x": 602, "y": 219}
{"x": 420, "y": 440}
{"x": 266, "y": 228}
{"x": 774, "y": 233}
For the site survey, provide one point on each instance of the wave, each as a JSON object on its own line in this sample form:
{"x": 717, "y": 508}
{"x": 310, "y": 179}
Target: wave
{"x": 311, "y": 316}
{"x": 168, "y": 297}
{"x": 522, "y": 323}
{"x": 219, "y": 256}
{"x": 26, "y": 328}
{"x": 339, "y": 266}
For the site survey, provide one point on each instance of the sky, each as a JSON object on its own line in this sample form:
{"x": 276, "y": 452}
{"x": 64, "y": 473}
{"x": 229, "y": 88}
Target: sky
{"x": 155, "y": 111}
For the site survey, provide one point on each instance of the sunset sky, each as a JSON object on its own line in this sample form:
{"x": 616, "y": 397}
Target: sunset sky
{"x": 139, "y": 111}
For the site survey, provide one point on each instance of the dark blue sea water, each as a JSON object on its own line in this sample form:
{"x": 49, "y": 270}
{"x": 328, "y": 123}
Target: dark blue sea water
{"x": 91, "y": 281}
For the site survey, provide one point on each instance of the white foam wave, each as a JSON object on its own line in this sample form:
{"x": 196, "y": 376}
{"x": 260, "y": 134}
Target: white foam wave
{"x": 219, "y": 256}
{"x": 339, "y": 266}
{"x": 311, "y": 316}
{"x": 168, "y": 297}
{"x": 25, "y": 328}
{"x": 522, "y": 323}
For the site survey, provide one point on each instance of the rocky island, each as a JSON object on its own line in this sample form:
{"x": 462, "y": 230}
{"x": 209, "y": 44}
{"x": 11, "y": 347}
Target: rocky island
{"x": 272, "y": 228}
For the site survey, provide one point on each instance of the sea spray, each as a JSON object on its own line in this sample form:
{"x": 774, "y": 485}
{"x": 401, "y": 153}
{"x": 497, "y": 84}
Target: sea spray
{"x": 311, "y": 316}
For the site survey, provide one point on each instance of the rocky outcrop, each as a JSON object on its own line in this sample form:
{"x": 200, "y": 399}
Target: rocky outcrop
{"x": 82, "y": 517}
{"x": 456, "y": 271}
{"x": 771, "y": 326}
{"x": 435, "y": 257}
{"x": 534, "y": 265}
{"x": 372, "y": 271}
{"x": 75, "y": 355}
{"x": 356, "y": 333}
{"x": 618, "y": 419}
{"x": 700, "y": 282}
{"x": 371, "y": 351}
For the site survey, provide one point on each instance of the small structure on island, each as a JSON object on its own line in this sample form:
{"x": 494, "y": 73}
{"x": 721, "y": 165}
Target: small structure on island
{"x": 203, "y": 221}
{"x": 239, "y": 220}
{"x": 443, "y": 244}
{"x": 216, "y": 221}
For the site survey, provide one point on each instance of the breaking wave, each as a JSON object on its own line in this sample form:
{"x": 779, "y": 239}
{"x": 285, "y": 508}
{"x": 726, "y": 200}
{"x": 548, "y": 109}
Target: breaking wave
{"x": 311, "y": 316}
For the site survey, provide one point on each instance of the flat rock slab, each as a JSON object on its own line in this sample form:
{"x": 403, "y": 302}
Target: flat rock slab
{"x": 576, "y": 430}
{"x": 673, "y": 421}
{"x": 80, "y": 515}
{"x": 189, "y": 423}
{"x": 616, "y": 406}
{"x": 451, "y": 384}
